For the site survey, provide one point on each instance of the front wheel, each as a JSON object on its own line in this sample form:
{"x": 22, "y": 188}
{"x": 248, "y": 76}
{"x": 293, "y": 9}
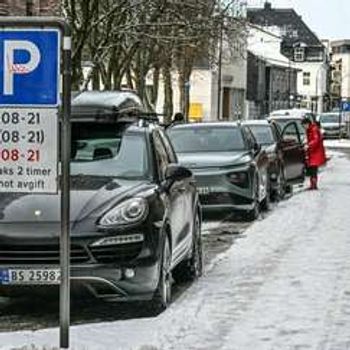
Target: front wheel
{"x": 162, "y": 295}
{"x": 253, "y": 214}
{"x": 280, "y": 191}
{"x": 192, "y": 268}
{"x": 266, "y": 203}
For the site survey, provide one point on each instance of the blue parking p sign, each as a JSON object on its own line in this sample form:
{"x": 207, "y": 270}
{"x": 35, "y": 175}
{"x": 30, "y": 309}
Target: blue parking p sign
{"x": 29, "y": 67}
{"x": 346, "y": 106}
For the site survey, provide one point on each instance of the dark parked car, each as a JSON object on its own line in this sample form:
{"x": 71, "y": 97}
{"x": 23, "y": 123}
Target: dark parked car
{"x": 135, "y": 215}
{"x": 285, "y": 153}
{"x": 229, "y": 166}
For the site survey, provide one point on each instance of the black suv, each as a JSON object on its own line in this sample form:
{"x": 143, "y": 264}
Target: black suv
{"x": 135, "y": 217}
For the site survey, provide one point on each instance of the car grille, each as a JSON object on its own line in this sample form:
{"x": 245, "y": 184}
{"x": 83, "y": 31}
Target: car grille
{"x": 222, "y": 198}
{"x": 117, "y": 253}
{"x": 39, "y": 254}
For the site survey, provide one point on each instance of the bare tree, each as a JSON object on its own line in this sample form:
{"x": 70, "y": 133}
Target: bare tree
{"x": 128, "y": 40}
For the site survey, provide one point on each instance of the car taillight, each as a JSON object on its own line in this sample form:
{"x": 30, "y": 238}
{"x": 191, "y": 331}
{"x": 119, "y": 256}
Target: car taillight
{"x": 239, "y": 178}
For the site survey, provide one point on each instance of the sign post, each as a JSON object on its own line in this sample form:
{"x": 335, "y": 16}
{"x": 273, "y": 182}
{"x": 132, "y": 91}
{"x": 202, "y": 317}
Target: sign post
{"x": 34, "y": 110}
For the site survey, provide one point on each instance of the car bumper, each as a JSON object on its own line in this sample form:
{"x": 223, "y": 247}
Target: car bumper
{"x": 107, "y": 282}
{"x": 121, "y": 273}
{"x": 216, "y": 193}
{"x": 218, "y": 201}
{"x": 328, "y": 134}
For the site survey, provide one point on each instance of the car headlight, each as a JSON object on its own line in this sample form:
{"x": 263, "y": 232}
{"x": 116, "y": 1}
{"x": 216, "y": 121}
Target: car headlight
{"x": 129, "y": 212}
{"x": 240, "y": 178}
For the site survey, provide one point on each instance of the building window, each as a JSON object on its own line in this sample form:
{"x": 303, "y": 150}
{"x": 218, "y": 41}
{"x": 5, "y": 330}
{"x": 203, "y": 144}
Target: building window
{"x": 306, "y": 78}
{"x": 299, "y": 54}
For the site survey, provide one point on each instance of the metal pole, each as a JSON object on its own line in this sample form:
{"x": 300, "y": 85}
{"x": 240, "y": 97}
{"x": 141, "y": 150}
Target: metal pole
{"x": 218, "y": 112}
{"x": 289, "y": 83}
{"x": 65, "y": 197}
{"x": 340, "y": 104}
{"x": 339, "y": 118}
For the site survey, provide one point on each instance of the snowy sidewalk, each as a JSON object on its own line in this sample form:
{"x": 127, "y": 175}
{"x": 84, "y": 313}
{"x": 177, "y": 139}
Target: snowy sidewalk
{"x": 284, "y": 285}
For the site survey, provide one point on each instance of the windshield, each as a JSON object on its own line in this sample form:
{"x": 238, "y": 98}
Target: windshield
{"x": 263, "y": 134}
{"x": 107, "y": 150}
{"x": 329, "y": 118}
{"x": 207, "y": 139}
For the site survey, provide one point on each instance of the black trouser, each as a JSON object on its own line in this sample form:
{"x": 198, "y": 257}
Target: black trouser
{"x": 312, "y": 171}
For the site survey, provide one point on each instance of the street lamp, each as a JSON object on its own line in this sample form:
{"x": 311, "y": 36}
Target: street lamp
{"x": 219, "y": 94}
{"x": 317, "y": 79}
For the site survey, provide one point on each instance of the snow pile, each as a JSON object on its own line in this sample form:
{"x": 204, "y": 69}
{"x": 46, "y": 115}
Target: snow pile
{"x": 284, "y": 285}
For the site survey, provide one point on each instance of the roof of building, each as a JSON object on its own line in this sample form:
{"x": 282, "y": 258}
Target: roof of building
{"x": 292, "y": 26}
{"x": 340, "y": 42}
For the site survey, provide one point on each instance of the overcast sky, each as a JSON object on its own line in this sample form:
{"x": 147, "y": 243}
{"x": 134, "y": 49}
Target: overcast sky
{"x": 328, "y": 19}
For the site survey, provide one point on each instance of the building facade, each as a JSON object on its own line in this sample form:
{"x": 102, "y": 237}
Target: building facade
{"x": 271, "y": 77}
{"x": 29, "y": 7}
{"x": 302, "y": 47}
{"x": 340, "y": 71}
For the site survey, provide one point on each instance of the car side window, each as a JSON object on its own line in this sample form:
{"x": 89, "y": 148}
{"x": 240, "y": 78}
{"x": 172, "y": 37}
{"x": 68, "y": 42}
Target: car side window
{"x": 169, "y": 148}
{"x": 251, "y": 141}
{"x": 162, "y": 158}
{"x": 276, "y": 134}
{"x": 291, "y": 132}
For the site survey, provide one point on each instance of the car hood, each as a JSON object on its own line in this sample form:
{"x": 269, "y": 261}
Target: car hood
{"x": 331, "y": 125}
{"x": 213, "y": 159}
{"x": 90, "y": 197}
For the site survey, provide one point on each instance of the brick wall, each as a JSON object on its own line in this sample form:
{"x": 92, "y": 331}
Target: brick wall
{"x": 29, "y": 7}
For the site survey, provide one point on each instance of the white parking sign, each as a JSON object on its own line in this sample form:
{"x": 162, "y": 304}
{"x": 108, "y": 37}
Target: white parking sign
{"x": 29, "y": 100}
{"x": 28, "y": 150}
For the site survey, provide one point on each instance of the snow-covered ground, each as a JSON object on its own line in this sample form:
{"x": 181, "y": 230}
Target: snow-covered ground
{"x": 343, "y": 143}
{"x": 284, "y": 285}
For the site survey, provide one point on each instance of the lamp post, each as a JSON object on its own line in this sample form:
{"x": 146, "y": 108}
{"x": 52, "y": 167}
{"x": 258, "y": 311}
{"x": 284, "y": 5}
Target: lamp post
{"x": 317, "y": 101}
{"x": 219, "y": 94}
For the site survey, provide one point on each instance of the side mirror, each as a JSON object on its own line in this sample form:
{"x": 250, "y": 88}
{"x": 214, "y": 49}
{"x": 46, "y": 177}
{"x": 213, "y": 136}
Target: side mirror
{"x": 175, "y": 172}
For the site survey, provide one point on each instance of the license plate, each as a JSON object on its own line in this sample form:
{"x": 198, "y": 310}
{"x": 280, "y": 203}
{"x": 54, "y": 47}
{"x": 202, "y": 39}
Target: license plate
{"x": 29, "y": 276}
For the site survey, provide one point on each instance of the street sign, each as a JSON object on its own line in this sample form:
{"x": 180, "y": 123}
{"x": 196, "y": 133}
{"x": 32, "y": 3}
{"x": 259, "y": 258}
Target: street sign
{"x": 345, "y": 106}
{"x": 28, "y": 150}
{"x": 29, "y": 67}
{"x": 29, "y": 99}
{"x": 30, "y": 86}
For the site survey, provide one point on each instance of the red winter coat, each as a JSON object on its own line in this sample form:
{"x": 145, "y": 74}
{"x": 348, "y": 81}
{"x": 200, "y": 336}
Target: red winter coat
{"x": 316, "y": 155}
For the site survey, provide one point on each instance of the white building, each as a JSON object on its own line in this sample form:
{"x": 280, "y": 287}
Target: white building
{"x": 302, "y": 46}
{"x": 341, "y": 63}
{"x": 204, "y": 95}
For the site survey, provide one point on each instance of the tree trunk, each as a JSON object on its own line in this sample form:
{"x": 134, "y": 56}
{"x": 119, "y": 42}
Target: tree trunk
{"x": 168, "y": 108}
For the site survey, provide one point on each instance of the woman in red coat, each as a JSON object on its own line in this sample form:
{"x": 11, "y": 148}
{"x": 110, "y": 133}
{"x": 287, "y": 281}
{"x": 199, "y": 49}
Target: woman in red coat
{"x": 315, "y": 151}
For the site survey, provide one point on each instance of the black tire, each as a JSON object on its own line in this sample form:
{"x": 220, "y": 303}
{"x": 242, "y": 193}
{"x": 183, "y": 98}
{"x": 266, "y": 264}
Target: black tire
{"x": 266, "y": 203}
{"x": 289, "y": 189}
{"x": 280, "y": 192}
{"x": 192, "y": 268}
{"x": 253, "y": 214}
{"x": 162, "y": 295}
